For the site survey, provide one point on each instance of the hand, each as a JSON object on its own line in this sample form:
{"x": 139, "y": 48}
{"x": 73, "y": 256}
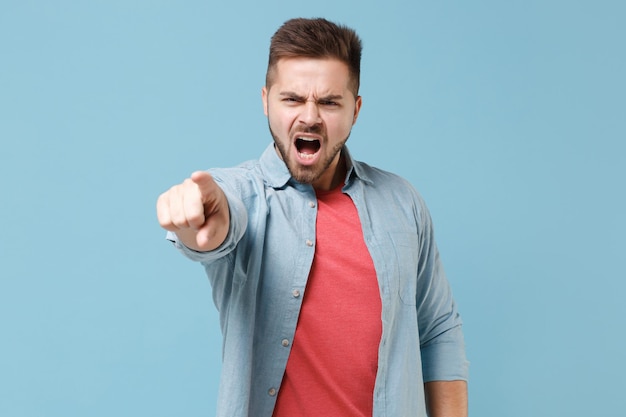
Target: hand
{"x": 197, "y": 211}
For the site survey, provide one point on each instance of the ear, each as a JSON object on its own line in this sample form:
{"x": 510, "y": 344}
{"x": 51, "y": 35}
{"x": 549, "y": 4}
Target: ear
{"x": 264, "y": 93}
{"x": 357, "y": 109}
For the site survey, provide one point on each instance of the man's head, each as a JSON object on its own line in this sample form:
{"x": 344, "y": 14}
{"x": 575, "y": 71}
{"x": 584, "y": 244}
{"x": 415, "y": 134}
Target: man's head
{"x": 316, "y": 38}
{"x": 311, "y": 98}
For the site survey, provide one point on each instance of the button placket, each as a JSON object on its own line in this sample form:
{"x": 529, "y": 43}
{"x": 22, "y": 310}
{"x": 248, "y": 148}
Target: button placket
{"x": 312, "y": 204}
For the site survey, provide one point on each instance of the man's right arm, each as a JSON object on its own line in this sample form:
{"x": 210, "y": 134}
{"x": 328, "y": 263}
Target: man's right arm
{"x": 197, "y": 211}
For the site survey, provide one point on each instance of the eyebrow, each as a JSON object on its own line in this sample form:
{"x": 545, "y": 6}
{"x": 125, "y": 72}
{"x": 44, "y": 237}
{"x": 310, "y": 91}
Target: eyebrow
{"x": 330, "y": 97}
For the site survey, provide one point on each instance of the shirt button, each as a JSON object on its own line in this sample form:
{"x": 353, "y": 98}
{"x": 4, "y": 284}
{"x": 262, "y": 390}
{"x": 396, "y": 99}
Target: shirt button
{"x": 272, "y": 391}
{"x": 309, "y": 242}
{"x": 311, "y": 204}
{"x": 295, "y": 293}
{"x": 285, "y": 342}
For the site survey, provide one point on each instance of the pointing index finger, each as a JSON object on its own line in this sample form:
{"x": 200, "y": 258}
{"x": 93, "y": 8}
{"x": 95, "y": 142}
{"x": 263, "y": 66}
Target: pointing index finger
{"x": 204, "y": 181}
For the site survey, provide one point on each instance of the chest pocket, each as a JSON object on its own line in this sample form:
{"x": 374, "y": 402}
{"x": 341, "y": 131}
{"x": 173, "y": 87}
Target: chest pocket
{"x": 404, "y": 265}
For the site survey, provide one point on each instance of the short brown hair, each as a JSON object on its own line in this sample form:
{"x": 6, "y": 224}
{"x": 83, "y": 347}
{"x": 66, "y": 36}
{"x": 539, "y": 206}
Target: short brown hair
{"x": 316, "y": 38}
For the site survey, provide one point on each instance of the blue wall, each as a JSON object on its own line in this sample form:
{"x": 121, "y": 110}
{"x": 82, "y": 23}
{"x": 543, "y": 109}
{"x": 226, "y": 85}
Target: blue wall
{"x": 507, "y": 116}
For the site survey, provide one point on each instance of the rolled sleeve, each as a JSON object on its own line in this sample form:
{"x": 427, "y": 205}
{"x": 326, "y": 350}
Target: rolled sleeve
{"x": 443, "y": 359}
{"x": 442, "y": 343}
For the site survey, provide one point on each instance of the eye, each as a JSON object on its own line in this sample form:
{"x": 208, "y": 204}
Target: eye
{"x": 291, "y": 100}
{"x": 328, "y": 103}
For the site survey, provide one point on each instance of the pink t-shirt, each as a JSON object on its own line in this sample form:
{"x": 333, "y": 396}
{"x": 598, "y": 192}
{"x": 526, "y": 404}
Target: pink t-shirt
{"x": 334, "y": 357}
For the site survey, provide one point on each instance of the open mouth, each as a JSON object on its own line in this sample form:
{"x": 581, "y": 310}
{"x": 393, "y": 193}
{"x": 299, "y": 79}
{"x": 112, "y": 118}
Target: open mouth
{"x": 307, "y": 147}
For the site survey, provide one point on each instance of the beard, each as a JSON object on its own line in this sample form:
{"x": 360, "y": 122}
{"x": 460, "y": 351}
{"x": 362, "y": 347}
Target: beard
{"x": 307, "y": 174}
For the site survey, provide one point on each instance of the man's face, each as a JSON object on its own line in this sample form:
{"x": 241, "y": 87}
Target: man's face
{"x": 311, "y": 111}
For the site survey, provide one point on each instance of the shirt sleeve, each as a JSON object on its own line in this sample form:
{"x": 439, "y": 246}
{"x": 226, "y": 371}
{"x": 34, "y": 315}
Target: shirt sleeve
{"x": 441, "y": 337}
{"x": 237, "y": 227}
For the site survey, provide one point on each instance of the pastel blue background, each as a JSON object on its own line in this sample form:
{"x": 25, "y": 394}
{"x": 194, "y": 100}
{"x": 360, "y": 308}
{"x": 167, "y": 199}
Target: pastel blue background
{"x": 509, "y": 117}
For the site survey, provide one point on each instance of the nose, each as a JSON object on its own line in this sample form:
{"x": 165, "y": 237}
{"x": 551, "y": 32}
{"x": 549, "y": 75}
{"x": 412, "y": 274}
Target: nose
{"x": 310, "y": 114}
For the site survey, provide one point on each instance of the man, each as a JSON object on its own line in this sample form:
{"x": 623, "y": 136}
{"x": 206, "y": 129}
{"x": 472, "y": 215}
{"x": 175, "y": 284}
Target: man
{"x": 325, "y": 272}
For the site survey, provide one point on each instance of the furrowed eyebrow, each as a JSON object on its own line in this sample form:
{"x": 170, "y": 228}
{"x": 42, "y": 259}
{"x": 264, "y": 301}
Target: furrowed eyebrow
{"x": 291, "y": 94}
{"x": 334, "y": 97}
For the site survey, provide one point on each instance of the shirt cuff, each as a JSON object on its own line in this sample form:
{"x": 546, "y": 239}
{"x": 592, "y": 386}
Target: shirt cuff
{"x": 444, "y": 358}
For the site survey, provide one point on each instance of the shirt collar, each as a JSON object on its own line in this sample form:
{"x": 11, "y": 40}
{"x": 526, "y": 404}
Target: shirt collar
{"x": 277, "y": 175}
{"x": 354, "y": 168}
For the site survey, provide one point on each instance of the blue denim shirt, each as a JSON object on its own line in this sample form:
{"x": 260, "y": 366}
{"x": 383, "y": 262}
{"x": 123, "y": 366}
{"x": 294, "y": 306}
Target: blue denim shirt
{"x": 259, "y": 275}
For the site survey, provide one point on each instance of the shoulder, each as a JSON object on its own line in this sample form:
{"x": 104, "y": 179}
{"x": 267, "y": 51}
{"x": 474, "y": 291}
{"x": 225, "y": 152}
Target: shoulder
{"x": 244, "y": 171}
{"x": 386, "y": 181}
{"x": 395, "y": 190}
{"x": 243, "y": 179}
{"x": 255, "y": 175}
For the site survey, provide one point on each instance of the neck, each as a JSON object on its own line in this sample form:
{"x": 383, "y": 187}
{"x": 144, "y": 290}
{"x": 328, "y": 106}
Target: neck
{"x": 334, "y": 175}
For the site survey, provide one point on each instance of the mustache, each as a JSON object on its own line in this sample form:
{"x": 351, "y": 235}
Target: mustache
{"x": 316, "y": 129}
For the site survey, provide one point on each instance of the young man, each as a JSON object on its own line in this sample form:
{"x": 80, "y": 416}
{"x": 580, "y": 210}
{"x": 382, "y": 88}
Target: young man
{"x": 331, "y": 295}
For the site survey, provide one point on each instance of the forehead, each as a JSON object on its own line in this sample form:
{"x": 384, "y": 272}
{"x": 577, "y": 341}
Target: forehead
{"x": 306, "y": 74}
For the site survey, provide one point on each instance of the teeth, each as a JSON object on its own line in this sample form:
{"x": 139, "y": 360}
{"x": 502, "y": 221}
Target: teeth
{"x": 306, "y": 155}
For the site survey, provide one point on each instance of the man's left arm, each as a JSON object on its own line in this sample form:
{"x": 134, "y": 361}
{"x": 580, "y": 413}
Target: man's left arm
{"x": 446, "y": 398}
{"x": 444, "y": 364}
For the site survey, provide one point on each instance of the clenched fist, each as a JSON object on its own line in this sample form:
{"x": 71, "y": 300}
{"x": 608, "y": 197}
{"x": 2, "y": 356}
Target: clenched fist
{"x": 197, "y": 211}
